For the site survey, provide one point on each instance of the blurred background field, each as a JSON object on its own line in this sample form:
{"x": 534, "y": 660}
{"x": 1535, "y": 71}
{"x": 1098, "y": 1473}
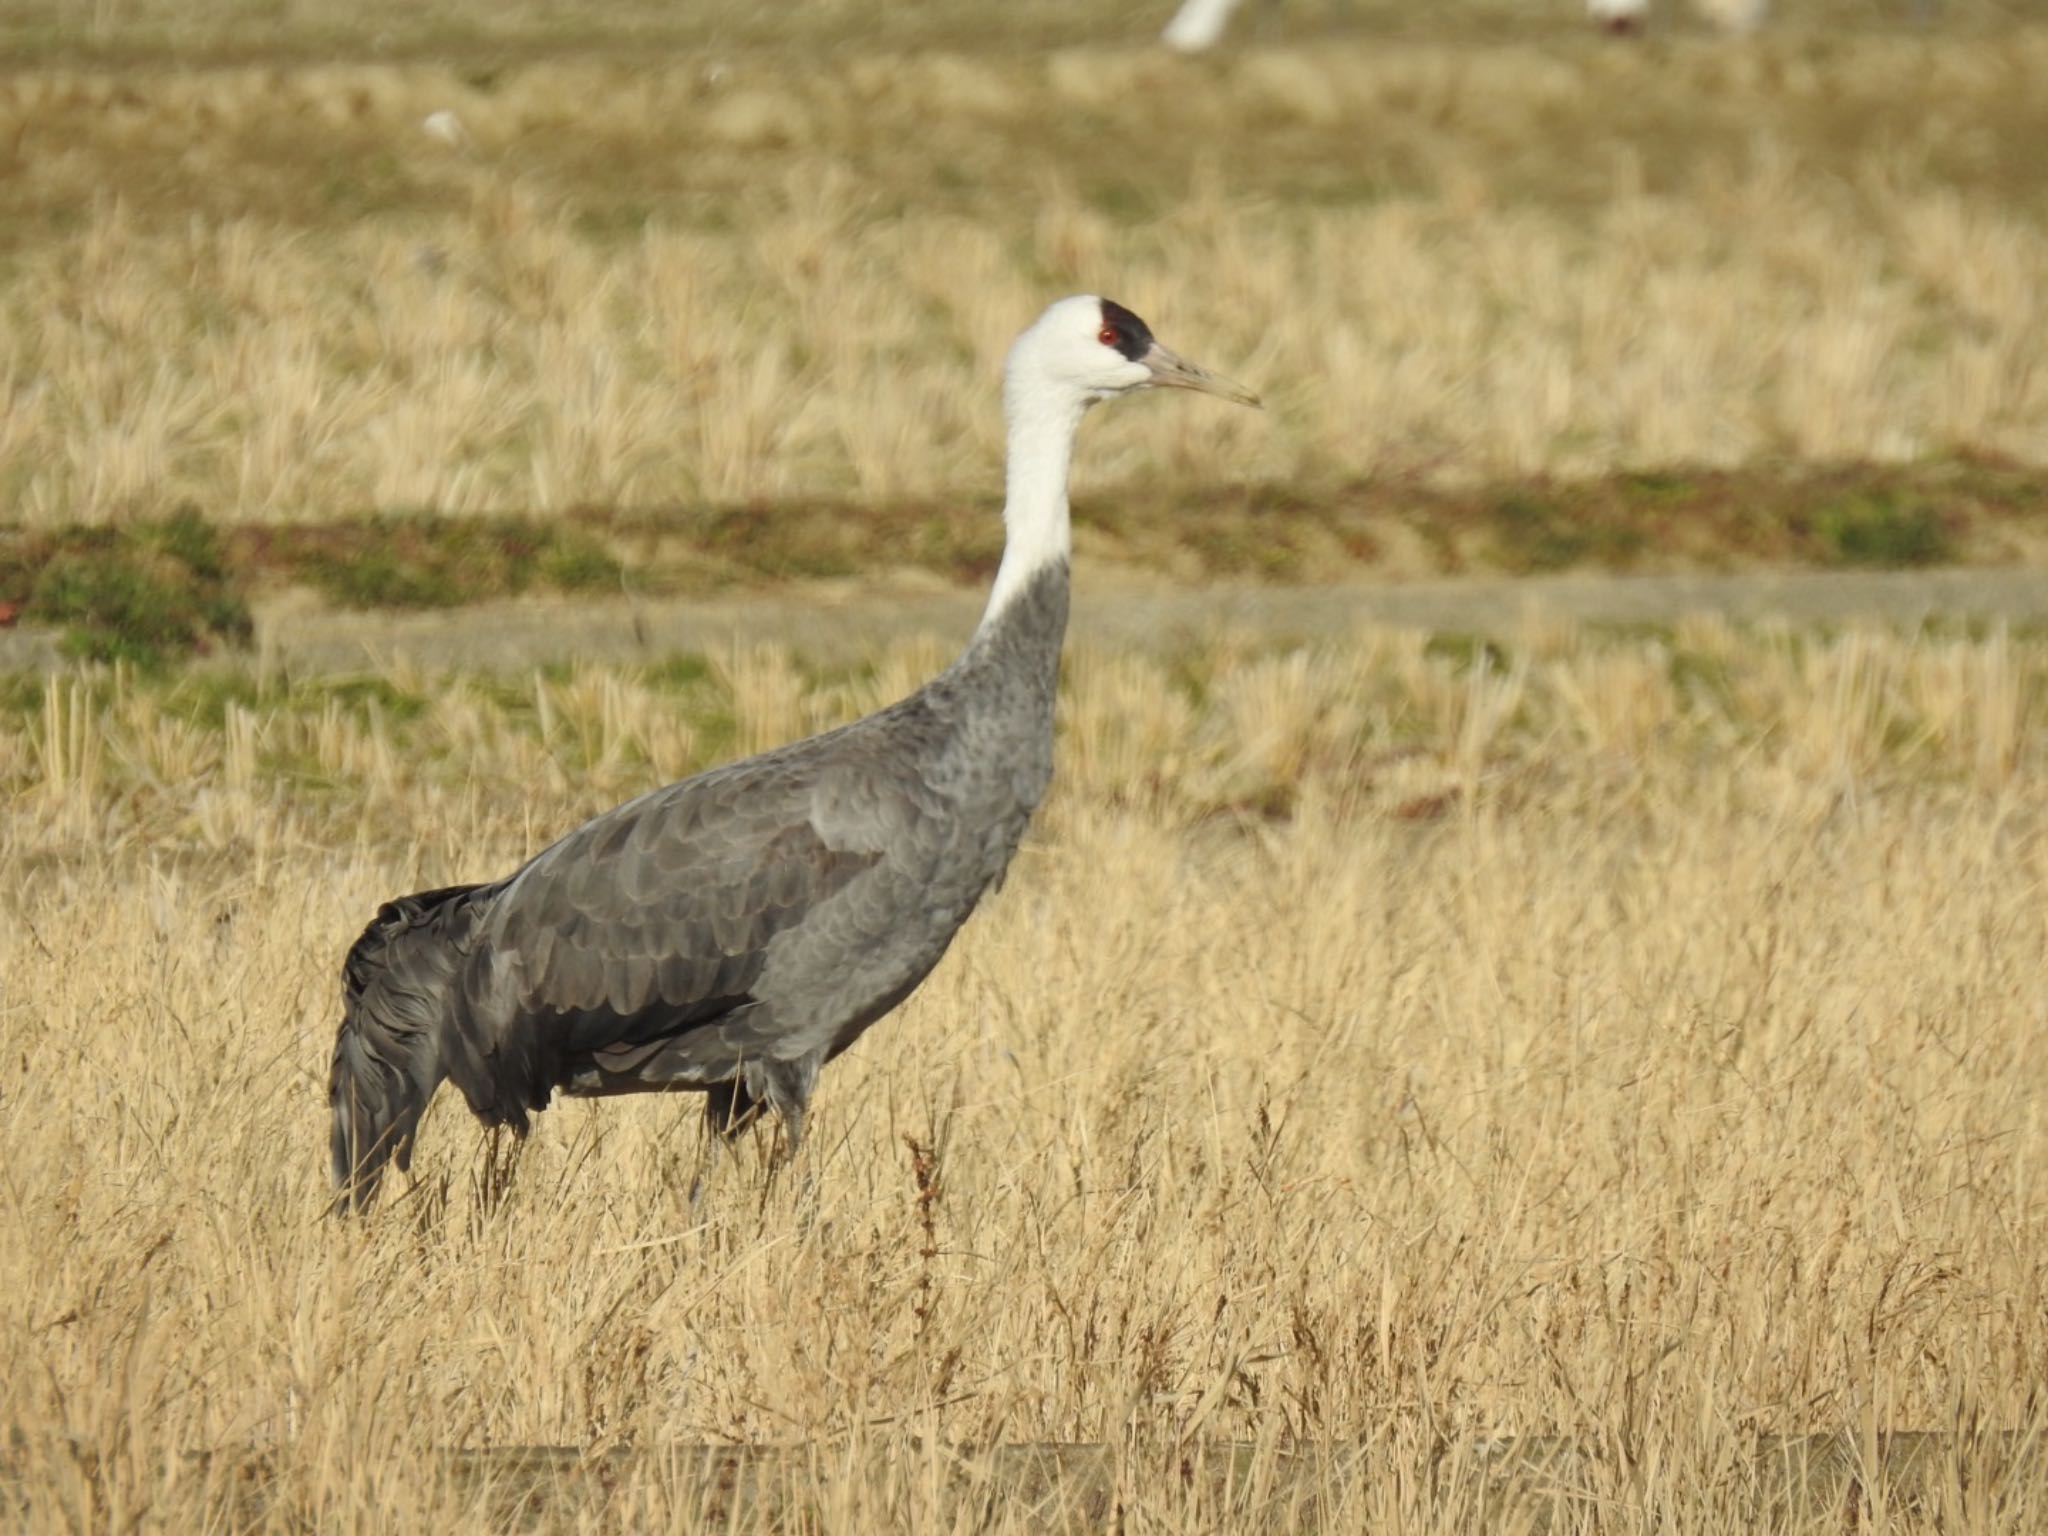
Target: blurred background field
{"x": 497, "y": 278}
{"x": 189, "y": 30}
{"x": 1542, "y": 923}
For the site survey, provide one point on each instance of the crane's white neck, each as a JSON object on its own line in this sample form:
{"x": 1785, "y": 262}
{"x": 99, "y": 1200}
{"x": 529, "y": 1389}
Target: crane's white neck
{"x": 1036, "y": 530}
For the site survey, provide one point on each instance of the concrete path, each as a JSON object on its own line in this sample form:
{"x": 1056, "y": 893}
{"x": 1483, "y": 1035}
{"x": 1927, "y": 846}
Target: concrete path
{"x": 519, "y": 635}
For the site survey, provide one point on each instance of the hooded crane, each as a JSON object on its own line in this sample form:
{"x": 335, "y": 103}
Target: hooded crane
{"x": 732, "y": 933}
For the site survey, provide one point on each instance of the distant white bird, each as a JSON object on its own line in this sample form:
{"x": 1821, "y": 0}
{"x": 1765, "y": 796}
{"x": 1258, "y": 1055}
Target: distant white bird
{"x": 1619, "y": 16}
{"x": 1732, "y": 16}
{"x": 1197, "y": 25}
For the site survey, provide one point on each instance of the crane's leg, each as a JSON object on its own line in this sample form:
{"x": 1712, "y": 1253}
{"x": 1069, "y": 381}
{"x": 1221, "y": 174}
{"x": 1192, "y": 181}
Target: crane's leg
{"x": 788, "y": 1086}
{"x": 728, "y": 1111}
{"x": 731, "y": 1107}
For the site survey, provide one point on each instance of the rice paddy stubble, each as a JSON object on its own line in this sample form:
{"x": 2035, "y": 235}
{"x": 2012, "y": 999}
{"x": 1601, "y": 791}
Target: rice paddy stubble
{"x": 1629, "y": 1038}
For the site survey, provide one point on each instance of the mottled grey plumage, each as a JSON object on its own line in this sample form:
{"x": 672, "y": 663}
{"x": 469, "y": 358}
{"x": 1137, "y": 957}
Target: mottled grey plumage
{"x": 733, "y": 933}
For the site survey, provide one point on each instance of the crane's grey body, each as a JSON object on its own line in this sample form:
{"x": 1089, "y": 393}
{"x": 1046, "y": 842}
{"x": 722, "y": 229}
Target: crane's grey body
{"x": 751, "y": 922}
{"x": 732, "y": 933}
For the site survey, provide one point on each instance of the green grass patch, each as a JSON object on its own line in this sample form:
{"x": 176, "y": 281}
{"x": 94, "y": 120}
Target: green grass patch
{"x": 1883, "y": 528}
{"x": 1467, "y": 651}
{"x": 1531, "y": 534}
{"x": 140, "y": 593}
{"x": 430, "y": 562}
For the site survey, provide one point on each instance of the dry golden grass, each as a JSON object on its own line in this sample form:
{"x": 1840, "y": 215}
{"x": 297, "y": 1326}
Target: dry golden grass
{"x": 1631, "y": 1037}
{"x": 268, "y": 291}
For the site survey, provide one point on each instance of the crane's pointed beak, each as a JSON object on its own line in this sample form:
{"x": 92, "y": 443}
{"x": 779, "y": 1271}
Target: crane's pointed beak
{"x": 1172, "y": 372}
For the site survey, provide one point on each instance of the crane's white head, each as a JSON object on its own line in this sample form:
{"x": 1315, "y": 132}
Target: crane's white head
{"x": 1081, "y": 350}
{"x": 1086, "y": 349}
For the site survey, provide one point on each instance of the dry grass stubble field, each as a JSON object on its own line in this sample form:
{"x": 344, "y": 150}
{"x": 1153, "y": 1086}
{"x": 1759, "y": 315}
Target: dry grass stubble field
{"x": 1628, "y": 1035}
{"x": 1633, "y": 1038}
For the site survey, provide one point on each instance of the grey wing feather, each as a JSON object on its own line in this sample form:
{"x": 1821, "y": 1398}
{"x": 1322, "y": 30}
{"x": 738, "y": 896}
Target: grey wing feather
{"x": 653, "y": 920}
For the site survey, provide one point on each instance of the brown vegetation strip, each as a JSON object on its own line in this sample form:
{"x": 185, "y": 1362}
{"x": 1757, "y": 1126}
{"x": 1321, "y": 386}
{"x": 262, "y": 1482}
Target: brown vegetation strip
{"x": 1973, "y": 511}
{"x": 157, "y": 587}
{"x": 1966, "y": 511}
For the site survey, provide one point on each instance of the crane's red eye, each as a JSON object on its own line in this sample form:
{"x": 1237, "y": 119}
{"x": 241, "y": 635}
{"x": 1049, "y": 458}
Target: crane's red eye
{"x": 1108, "y": 336}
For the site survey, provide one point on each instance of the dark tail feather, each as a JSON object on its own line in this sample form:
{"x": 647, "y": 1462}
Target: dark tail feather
{"x": 395, "y": 1011}
{"x": 378, "y": 1101}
